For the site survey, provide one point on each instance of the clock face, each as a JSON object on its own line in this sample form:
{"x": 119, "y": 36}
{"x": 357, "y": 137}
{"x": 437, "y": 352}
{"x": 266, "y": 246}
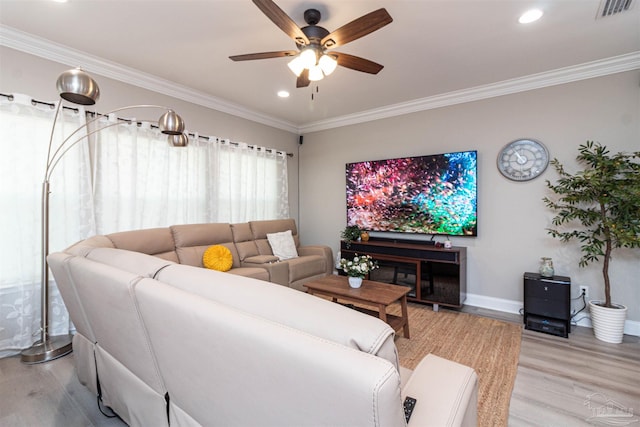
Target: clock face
{"x": 523, "y": 159}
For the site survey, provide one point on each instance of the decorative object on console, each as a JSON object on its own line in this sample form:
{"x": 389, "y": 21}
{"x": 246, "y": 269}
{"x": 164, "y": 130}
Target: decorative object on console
{"x": 217, "y": 257}
{"x": 364, "y": 236}
{"x": 312, "y": 61}
{"x": 359, "y": 266}
{"x": 351, "y": 233}
{"x": 523, "y": 159}
{"x": 435, "y": 194}
{"x": 603, "y": 199}
{"x": 78, "y": 87}
{"x": 546, "y": 267}
{"x": 282, "y": 245}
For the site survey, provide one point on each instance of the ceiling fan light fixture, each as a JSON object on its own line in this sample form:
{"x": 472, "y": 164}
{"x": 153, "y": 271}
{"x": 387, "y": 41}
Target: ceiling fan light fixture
{"x": 296, "y": 65}
{"x": 308, "y": 58}
{"x": 328, "y": 64}
{"x": 315, "y": 73}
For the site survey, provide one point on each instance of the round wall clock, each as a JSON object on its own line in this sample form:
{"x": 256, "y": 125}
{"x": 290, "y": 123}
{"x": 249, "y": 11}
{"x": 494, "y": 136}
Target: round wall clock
{"x": 523, "y": 159}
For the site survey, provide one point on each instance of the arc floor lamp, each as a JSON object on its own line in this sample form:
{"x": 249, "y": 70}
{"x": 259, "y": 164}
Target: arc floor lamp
{"x": 76, "y": 86}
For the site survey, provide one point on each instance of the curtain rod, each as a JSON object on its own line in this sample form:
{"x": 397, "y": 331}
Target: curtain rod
{"x": 193, "y": 135}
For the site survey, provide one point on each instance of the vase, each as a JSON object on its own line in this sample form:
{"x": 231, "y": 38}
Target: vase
{"x": 364, "y": 236}
{"x": 546, "y": 267}
{"x": 608, "y": 323}
{"x": 355, "y": 282}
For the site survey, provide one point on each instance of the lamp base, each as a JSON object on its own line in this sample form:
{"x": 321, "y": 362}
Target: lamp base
{"x": 52, "y": 348}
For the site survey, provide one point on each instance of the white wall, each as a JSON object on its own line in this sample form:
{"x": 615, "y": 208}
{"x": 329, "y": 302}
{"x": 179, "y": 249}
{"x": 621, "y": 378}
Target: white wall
{"x": 512, "y": 217}
{"x": 30, "y": 75}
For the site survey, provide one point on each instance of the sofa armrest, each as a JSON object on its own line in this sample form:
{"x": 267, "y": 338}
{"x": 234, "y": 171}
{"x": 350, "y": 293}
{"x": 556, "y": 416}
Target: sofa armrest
{"x": 446, "y": 393}
{"x": 324, "y": 251}
{"x": 261, "y": 259}
{"x": 278, "y": 270}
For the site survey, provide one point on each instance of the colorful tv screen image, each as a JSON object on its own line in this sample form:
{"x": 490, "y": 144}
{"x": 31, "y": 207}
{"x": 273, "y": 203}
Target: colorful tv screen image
{"x": 434, "y": 194}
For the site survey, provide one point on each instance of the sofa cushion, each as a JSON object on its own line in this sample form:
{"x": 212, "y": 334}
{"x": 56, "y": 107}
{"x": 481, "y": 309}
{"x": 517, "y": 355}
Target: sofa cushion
{"x": 133, "y": 262}
{"x": 260, "y": 229}
{"x": 282, "y": 245}
{"x": 252, "y": 272}
{"x": 243, "y": 239}
{"x": 218, "y": 257}
{"x": 289, "y": 307}
{"x": 290, "y": 377}
{"x": 151, "y": 241}
{"x": 192, "y": 240}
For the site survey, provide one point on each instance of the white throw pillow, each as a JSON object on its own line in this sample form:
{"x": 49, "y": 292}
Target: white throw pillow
{"x": 282, "y": 245}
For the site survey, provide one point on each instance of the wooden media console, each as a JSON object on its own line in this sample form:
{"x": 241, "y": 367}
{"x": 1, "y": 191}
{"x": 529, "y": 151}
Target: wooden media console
{"x": 435, "y": 275}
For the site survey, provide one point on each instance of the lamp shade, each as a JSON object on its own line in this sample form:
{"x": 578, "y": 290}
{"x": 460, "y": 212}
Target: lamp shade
{"x": 308, "y": 57}
{"x": 171, "y": 124}
{"x": 181, "y": 140}
{"x": 315, "y": 73}
{"x": 328, "y": 64}
{"x": 78, "y": 87}
{"x": 296, "y": 66}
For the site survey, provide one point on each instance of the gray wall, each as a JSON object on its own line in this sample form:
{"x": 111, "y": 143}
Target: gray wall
{"x": 30, "y": 75}
{"x": 512, "y": 218}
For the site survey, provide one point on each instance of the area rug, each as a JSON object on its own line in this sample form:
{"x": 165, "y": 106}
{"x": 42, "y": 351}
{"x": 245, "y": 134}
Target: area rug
{"x": 491, "y": 347}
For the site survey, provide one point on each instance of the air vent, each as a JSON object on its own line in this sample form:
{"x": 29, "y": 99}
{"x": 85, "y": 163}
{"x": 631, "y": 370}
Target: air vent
{"x": 613, "y": 7}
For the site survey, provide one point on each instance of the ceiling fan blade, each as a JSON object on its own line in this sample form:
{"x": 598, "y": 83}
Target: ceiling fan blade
{"x": 264, "y": 55}
{"x": 357, "y": 28}
{"x": 282, "y": 20}
{"x": 357, "y": 63}
{"x": 303, "y": 80}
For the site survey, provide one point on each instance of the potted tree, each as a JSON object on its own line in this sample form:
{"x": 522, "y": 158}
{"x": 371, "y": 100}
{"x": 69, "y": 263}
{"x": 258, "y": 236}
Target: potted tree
{"x": 600, "y": 207}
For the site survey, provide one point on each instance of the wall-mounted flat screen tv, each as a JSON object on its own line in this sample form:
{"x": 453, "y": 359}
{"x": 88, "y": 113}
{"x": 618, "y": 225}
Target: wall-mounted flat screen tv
{"x": 434, "y": 194}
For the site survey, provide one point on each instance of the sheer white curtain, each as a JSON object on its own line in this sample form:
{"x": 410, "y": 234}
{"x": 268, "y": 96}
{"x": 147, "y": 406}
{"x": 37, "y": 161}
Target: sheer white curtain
{"x": 128, "y": 177}
{"x": 24, "y": 134}
{"x": 142, "y": 182}
{"x": 250, "y": 183}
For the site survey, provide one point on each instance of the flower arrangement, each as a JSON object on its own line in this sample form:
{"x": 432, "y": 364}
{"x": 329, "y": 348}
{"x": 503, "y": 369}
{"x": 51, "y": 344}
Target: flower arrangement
{"x": 359, "y": 266}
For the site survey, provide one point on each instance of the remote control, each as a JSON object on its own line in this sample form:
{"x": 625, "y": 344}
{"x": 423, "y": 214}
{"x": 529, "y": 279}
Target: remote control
{"x": 409, "y": 404}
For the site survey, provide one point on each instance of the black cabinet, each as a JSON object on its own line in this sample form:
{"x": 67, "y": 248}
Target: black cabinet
{"x": 435, "y": 275}
{"x": 547, "y": 304}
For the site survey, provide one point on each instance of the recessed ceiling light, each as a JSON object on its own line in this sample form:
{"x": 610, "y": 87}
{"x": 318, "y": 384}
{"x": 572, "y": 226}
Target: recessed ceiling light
{"x": 530, "y": 16}
{"x": 283, "y": 94}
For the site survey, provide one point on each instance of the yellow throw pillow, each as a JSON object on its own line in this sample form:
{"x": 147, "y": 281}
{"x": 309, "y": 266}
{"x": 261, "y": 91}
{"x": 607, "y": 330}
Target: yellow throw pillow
{"x": 218, "y": 257}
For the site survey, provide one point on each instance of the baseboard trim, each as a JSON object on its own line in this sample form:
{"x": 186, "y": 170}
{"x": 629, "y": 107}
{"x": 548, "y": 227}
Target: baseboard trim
{"x": 492, "y": 303}
{"x": 631, "y": 327}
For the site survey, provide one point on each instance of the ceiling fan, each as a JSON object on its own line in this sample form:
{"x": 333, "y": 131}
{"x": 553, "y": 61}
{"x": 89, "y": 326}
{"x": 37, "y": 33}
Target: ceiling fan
{"x": 313, "y": 60}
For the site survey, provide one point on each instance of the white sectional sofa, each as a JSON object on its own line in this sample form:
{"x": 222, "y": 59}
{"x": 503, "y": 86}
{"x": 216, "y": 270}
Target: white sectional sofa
{"x": 164, "y": 343}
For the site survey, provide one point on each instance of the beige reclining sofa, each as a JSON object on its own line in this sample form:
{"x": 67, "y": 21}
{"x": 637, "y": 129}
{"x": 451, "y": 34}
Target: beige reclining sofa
{"x": 248, "y": 242}
{"x": 164, "y": 343}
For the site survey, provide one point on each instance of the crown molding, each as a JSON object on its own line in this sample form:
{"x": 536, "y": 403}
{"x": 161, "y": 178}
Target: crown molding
{"x": 59, "y": 53}
{"x": 47, "y": 49}
{"x": 613, "y": 65}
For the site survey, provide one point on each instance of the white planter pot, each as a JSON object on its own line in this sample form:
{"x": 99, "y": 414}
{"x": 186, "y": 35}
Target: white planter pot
{"x": 608, "y": 323}
{"x": 355, "y": 282}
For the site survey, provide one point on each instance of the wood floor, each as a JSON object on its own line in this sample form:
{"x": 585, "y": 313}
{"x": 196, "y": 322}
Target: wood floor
{"x": 561, "y": 382}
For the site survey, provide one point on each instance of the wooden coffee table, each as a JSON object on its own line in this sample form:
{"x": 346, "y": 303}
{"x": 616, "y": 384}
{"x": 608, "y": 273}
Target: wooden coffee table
{"x": 371, "y": 293}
